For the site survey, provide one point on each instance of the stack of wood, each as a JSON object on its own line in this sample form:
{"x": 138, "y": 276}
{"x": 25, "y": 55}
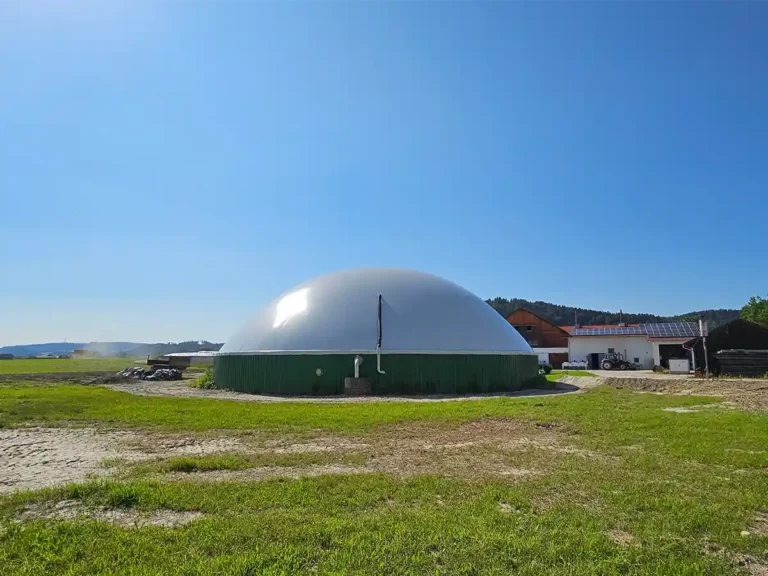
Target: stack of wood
{"x": 743, "y": 362}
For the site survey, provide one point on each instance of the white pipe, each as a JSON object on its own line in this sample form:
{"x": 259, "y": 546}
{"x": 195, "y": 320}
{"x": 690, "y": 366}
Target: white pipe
{"x": 692, "y": 350}
{"x": 358, "y": 361}
{"x": 378, "y": 360}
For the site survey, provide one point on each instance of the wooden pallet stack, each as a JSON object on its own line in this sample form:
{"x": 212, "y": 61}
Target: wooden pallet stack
{"x": 743, "y": 362}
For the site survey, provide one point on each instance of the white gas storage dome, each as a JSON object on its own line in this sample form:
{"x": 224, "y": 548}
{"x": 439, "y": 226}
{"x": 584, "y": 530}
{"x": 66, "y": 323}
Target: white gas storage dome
{"x": 413, "y": 332}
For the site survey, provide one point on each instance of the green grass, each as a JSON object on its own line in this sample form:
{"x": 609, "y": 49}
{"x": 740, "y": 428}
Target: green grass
{"x": 211, "y": 462}
{"x": 555, "y": 374}
{"x": 52, "y": 366}
{"x": 66, "y": 404}
{"x": 204, "y": 463}
{"x": 683, "y": 485}
{"x": 375, "y": 524}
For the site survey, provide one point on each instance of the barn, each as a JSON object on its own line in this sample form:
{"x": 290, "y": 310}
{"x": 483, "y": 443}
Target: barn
{"x": 405, "y": 331}
{"x": 548, "y": 340}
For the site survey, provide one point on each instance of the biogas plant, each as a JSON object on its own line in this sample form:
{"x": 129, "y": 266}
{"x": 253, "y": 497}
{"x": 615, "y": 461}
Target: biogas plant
{"x": 376, "y": 331}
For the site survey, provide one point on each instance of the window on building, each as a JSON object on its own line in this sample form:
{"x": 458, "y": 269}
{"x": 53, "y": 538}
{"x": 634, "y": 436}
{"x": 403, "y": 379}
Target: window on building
{"x": 611, "y": 351}
{"x": 637, "y": 360}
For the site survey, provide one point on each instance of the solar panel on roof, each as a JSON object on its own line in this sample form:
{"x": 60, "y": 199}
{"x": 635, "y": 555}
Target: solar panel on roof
{"x": 672, "y": 330}
{"x": 659, "y": 330}
{"x": 618, "y": 331}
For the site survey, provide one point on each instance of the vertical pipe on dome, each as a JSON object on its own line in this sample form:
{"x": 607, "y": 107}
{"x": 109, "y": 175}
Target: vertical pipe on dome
{"x": 378, "y": 342}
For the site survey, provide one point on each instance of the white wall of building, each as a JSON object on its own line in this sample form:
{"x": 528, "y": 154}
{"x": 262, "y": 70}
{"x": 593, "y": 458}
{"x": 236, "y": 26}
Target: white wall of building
{"x": 632, "y": 347}
{"x": 544, "y": 353}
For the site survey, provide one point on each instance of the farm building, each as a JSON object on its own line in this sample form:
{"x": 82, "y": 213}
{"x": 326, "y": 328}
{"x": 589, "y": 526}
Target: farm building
{"x": 736, "y": 335}
{"x": 548, "y": 340}
{"x": 646, "y": 345}
{"x": 202, "y": 358}
{"x": 408, "y": 332}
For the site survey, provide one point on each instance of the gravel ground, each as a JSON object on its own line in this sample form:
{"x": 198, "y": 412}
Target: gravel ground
{"x": 644, "y": 374}
{"x": 182, "y": 389}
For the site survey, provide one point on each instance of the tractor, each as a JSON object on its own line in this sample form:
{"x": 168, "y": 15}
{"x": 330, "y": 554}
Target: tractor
{"x": 615, "y": 362}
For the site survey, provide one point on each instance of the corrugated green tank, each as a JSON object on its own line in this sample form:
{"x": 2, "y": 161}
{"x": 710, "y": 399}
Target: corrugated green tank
{"x": 324, "y": 374}
{"x": 415, "y": 333}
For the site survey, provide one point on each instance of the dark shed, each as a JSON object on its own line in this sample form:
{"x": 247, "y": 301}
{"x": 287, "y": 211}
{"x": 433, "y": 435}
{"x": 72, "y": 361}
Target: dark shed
{"x": 736, "y": 335}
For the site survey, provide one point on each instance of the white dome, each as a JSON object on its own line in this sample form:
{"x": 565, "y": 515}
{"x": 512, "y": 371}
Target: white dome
{"x": 338, "y": 312}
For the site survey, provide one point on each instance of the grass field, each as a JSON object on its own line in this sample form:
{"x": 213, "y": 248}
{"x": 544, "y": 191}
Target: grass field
{"x": 622, "y": 486}
{"x": 555, "y": 374}
{"x": 53, "y": 366}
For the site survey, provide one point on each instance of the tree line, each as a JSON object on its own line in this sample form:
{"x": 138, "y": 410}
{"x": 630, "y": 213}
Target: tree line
{"x": 564, "y": 315}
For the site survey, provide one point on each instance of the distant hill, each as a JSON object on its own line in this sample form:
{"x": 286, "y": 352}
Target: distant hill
{"x": 142, "y": 350}
{"x": 54, "y": 348}
{"x": 134, "y": 349}
{"x": 564, "y": 315}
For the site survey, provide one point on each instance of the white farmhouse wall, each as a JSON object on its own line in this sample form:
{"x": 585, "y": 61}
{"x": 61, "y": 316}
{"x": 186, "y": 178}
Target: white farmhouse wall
{"x": 544, "y": 353}
{"x": 580, "y": 347}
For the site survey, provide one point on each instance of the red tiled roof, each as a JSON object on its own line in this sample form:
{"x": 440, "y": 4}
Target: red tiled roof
{"x": 569, "y": 328}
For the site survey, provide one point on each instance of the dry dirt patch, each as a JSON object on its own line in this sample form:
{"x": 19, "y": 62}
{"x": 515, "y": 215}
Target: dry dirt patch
{"x": 747, "y": 564}
{"x": 492, "y": 447}
{"x": 32, "y": 458}
{"x": 752, "y": 565}
{"x": 266, "y": 472}
{"x": 748, "y": 394}
{"x": 760, "y": 524}
{"x": 323, "y": 444}
{"x": 125, "y": 518}
{"x": 620, "y": 537}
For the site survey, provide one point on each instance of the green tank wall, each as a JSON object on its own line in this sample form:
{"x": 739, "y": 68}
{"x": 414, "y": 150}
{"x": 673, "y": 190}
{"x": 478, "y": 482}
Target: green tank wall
{"x": 296, "y": 374}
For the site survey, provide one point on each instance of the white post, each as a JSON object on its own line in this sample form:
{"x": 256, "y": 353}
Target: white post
{"x": 703, "y": 332}
{"x": 693, "y": 357}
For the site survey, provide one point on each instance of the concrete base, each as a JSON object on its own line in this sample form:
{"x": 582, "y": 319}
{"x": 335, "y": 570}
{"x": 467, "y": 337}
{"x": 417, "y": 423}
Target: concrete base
{"x": 358, "y": 386}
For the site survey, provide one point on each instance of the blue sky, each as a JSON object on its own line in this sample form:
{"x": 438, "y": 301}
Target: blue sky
{"x": 603, "y": 155}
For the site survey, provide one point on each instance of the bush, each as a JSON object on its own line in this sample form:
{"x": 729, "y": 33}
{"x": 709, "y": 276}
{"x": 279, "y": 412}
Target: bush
{"x": 206, "y": 381}
{"x": 545, "y": 369}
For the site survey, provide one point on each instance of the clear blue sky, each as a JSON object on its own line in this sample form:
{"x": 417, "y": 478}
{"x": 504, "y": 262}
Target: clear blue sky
{"x": 603, "y": 155}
